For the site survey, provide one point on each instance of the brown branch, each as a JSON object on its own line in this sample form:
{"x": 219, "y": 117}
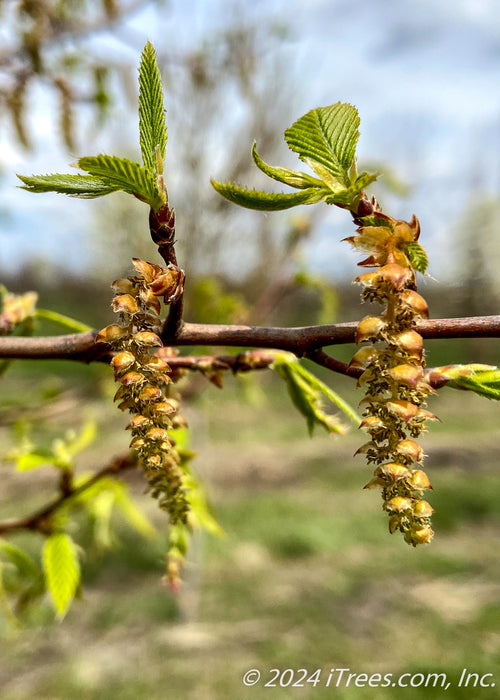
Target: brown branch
{"x": 243, "y": 362}
{"x": 321, "y": 358}
{"x": 40, "y": 520}
{"x": 299, "y": 340}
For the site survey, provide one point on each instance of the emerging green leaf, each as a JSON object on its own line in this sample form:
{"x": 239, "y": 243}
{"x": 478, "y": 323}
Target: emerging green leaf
{"x": 61, "y": 320}
{"x": 122, "y": 174}
{"x": 417, "y": 256}
{"x": 268, "y": 201}
{"x": 481, "y": 379}
{"x": 327, "y": 136}
{"x": 62, "y": 570}
{"x": 294, "y": 178}
{"x": 152, "y": 127}
{"x": 83, "y": 186}
{"x": 33, "y": 460}
{"x": 306, "y": 392}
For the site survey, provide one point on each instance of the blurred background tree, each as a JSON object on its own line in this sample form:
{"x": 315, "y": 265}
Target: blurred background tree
{"x": 221, "y": 94}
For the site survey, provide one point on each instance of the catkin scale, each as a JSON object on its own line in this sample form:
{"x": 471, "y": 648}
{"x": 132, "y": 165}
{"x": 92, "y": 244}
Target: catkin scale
{"x": 393, "y": 377}
{"x": 145, "y": 382}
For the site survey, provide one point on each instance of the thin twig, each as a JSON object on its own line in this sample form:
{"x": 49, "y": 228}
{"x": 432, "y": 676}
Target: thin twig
{"x": 40, "y": 519}
{"x": 321, "y": 358}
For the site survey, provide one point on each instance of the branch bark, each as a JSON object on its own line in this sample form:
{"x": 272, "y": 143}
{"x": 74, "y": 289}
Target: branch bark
{"x": 300, "y": 340}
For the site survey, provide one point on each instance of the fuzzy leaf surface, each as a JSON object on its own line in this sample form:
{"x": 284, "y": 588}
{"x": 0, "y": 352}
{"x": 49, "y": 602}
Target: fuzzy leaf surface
{"x": 417, "y": 256}
{"x": 62, "y": 570}
{"x": 294, "y": 178}
{"x": 122, "y": 174}
{"x": 83, "y": 186}
{"x": 481, "y": 379}
{"x": 268, "y": 201}
{"x": 327, "y": 136}
{"x": 152, "y": 127}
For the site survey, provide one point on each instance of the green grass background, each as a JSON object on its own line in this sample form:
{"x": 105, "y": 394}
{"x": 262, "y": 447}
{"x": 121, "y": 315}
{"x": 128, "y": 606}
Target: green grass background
{"x": 306, "y": 577}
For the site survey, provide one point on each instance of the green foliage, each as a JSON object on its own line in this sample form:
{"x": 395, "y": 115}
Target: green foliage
{"x": 328, "y": 295}
{"x": 325, "y": 138}
{"x": 481, "y": 379}
{"x": 62, "y": 570}
{"x": 201, "y": 516}
{"x": 100, "y": 501}
{"x": 83, "y": 186}
{"x": 58, "y": 319}
{"x": 20, "y": 578}
{"x": 60, "y": 454}
{"x": 212, "y": 304}
{"x": 294, "y": 178}
{"x": 20, "y": 559}
{"x": 417, "y": 256}
{"x": 307, "y": 393}
{"x": 122, "y": 174}
{"x": 267, "y": 201}
{"x": 152, "y": 127}
{"x": 108, "y": 174}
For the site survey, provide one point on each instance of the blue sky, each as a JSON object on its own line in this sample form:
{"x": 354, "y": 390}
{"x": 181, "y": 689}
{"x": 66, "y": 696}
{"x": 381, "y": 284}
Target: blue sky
{"x": 424, "y": 75}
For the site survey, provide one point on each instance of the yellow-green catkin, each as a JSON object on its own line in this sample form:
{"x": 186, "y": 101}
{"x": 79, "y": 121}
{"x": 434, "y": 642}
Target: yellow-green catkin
{"x": 393, "y": 374}
{"x": 140, "y": 365}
